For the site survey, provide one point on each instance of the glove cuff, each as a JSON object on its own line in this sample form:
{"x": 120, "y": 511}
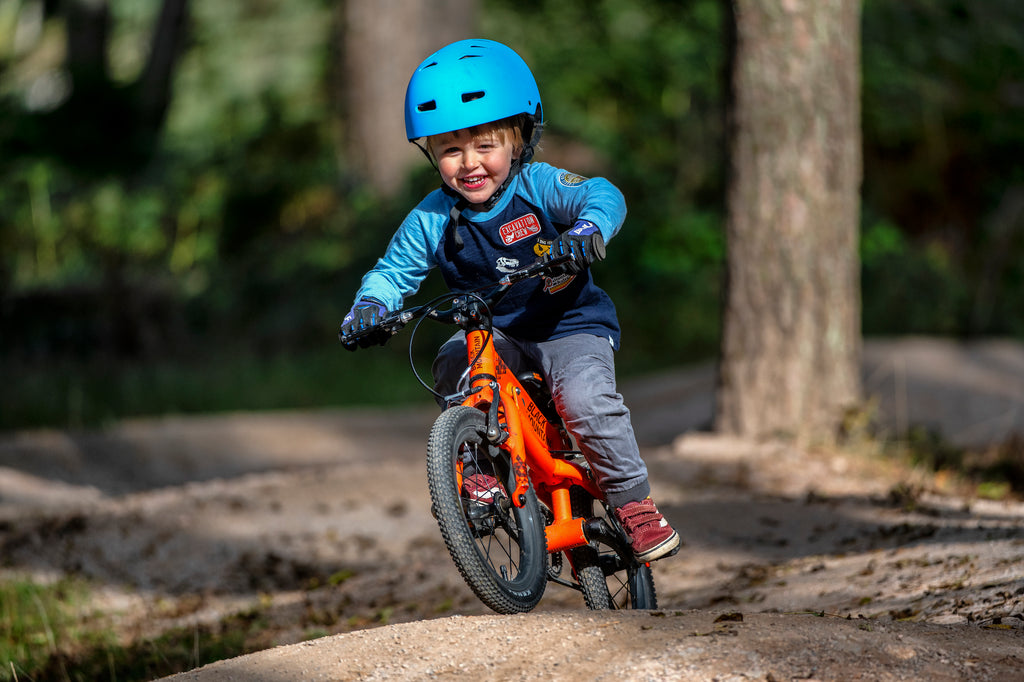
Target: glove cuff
{"x": 582, "y": 228}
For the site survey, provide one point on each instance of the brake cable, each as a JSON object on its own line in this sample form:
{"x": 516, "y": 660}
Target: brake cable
{"x": 430, "y": 308}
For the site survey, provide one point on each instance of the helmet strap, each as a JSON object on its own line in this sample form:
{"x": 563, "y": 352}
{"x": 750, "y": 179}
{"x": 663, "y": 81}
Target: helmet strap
{"x": 426, "y": 154}
{"x": 531, "y": 136}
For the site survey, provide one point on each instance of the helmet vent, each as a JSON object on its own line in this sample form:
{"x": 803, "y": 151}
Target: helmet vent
{"x": 470, "y": 96}
{"x": 427, "y": 106}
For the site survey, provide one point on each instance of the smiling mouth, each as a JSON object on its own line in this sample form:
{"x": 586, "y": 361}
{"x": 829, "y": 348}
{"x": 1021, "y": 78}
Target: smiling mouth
{"x": 475, "y": 182}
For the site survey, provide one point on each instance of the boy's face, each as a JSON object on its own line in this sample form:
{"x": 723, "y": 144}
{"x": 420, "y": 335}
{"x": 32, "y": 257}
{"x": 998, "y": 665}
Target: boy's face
{"x": 474, "y": 166}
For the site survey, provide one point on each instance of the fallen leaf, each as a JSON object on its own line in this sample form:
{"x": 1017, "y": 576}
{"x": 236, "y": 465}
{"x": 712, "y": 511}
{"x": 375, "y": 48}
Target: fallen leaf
{"x": 731, "y": 617}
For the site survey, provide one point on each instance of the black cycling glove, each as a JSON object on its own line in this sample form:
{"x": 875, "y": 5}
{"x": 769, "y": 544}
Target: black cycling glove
{"x": 583, "y": 243}
{"x": 361, "y": 327}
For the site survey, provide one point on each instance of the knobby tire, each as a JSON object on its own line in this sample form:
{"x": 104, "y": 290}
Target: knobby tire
{"x": 499, "y": 549}
{"x": 609, "y": 579}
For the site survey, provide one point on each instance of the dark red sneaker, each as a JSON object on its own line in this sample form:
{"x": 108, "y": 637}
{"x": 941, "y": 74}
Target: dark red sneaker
{"x": 481, "y": 488}
{"x": 648, "y": 530}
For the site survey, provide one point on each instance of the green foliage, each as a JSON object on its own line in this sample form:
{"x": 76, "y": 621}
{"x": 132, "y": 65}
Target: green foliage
{"x": 642, "y": 83}
{"x": 39, "y": 621}
{"x": 241, "y": 231}
{"x": 895, "y": 273}
{"x": 79, "y": 394}
{"x": 45, "y": 635}
{"x": 996, "y": 472}
{"x": 942, "y": 103}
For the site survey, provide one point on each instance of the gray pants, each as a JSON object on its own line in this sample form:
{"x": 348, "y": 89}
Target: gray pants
{"x": 580, "y": 371}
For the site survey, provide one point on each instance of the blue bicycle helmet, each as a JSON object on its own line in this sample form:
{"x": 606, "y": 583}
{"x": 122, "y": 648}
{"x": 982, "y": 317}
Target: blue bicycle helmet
{"x": 469, "y": 83}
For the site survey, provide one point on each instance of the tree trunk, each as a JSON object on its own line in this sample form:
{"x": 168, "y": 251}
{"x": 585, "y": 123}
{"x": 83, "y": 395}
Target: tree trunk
{"x": 88, "y": 30}
{"x": 100, "y": 114}
{"x": 155, "y": 82}
{"x": 383, "y": 41}
{"x": 791, "y": 321}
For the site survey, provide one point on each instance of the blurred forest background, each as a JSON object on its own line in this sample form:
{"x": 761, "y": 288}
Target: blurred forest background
{"x": 186, "y": 236}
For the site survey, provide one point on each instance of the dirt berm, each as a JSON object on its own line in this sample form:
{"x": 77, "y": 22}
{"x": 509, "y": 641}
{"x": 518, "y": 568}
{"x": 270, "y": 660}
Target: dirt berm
{"x": 828, "y": 565}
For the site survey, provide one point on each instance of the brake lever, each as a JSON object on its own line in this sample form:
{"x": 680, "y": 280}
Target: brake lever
{"x": 540, "y": 266}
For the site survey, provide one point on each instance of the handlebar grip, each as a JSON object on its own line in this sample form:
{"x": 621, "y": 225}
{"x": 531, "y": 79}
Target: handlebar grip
{"x": 599, "y": 247}
{"x": 380, "y": 332}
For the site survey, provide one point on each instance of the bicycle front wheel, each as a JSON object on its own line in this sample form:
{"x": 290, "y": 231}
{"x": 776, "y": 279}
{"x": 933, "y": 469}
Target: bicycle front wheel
{"x": 499, "y": 548}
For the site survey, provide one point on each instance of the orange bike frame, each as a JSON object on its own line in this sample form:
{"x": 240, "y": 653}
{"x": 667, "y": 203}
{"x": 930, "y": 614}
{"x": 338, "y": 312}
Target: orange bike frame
{"x": 531, "y": 440}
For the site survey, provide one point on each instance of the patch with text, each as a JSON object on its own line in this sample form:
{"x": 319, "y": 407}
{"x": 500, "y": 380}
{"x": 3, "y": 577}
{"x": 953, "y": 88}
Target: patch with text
{"x": 519, "y": 229}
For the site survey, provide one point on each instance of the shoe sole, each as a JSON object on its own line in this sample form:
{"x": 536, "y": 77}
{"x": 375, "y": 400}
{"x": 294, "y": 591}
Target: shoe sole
{"x": 666, "y": 549}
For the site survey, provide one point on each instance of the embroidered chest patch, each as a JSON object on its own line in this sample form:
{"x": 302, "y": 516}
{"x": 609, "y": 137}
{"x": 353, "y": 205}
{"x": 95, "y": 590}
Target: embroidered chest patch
{"x": 519, "y": 229}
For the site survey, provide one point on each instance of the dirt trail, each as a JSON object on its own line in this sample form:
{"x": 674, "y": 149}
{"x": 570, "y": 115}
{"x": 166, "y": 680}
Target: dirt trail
{"x": 841, "y": 565}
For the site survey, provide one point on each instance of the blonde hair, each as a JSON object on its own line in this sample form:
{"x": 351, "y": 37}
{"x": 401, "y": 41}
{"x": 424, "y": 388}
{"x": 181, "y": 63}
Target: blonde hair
{"x": 502, "y": 129}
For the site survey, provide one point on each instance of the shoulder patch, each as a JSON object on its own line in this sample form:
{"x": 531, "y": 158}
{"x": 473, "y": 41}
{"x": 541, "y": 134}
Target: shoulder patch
{"x": 570, "y": 179}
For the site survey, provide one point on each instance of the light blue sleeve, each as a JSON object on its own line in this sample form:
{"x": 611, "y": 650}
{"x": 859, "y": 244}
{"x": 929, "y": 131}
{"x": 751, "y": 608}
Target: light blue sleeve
{"x": 410, "y": 254}
{"x": 567, "y": 197}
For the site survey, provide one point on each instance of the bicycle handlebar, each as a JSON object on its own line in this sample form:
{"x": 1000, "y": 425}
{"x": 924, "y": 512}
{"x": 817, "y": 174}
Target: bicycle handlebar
{"x": 395, "y": 322}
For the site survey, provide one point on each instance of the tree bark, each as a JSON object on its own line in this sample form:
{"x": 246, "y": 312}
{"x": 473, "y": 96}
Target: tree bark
{"x": 100, "y": 114}
{"x": 791, "y": 341}
{"x": 88, "y": 30}
{"x": 155, "y": 82}
{"x": 383, "y": 41}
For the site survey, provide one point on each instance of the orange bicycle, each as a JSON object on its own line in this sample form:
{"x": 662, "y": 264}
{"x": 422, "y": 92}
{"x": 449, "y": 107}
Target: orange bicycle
{"x": 546, "y": 504}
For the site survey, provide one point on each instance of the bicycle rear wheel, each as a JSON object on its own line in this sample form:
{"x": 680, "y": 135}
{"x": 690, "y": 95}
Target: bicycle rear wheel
{"x": 498, "y": 548}
{"x": 609, "y": 576}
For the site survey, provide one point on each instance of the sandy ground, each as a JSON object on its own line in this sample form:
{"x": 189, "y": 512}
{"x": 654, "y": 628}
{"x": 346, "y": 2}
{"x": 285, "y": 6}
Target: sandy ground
{"x": 796, "y": 565}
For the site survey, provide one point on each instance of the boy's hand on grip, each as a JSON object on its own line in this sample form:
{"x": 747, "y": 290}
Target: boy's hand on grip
{"x": 361, "y": 327}
{"x": 583, "y": 243}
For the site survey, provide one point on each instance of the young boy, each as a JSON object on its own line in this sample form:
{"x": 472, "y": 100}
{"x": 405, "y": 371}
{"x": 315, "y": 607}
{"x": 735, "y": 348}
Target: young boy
{"x": 477, "y": 108}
